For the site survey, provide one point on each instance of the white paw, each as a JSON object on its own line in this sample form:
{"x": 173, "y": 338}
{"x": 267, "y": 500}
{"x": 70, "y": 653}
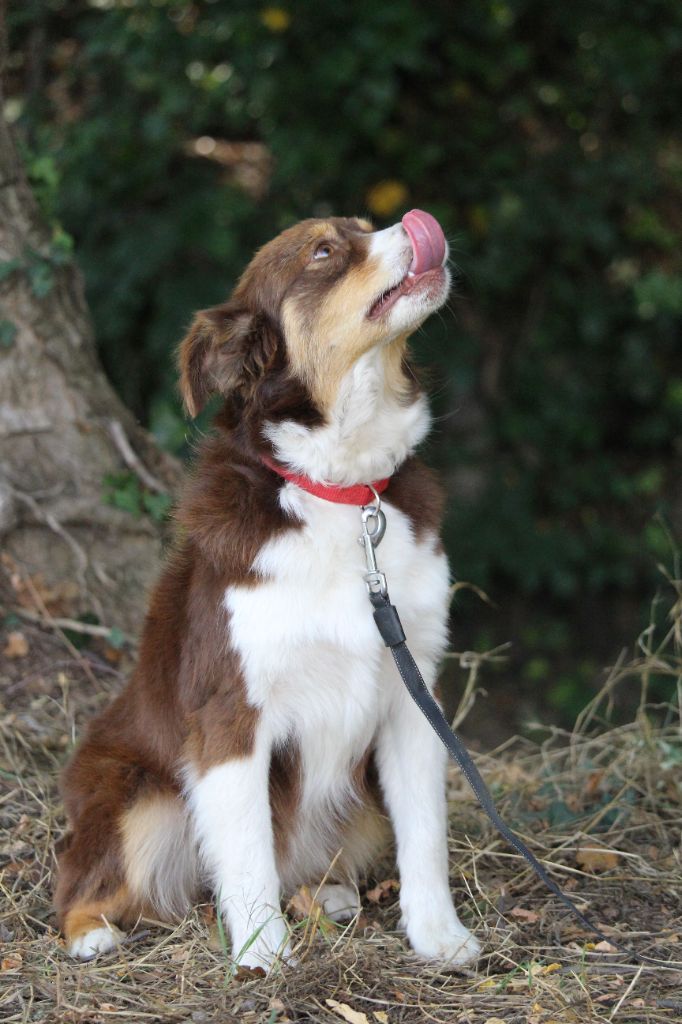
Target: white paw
{"x": 99, "y": 940}
{"x": 263, "y": 948}
{"x": 339, "y": 902}
{"x": 445, "y": 940}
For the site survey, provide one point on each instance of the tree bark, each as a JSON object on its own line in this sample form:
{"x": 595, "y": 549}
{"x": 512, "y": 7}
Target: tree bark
{"x": 63, "y": 430}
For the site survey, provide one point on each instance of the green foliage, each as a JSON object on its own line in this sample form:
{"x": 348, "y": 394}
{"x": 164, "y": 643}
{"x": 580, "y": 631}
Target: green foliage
{"x": 8, "y": 332}
{"x": 9, "y": 267}
{"x": 124, "y": 491}
{"x": 544, "y": 136}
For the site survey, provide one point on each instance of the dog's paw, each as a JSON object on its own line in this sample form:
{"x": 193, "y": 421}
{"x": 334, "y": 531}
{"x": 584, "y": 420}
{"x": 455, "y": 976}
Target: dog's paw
{"x": 264, "y": 948}
{"x": 95, "y": 941}
{"x": 446, "y": 941}
{"x": 339, "y": 902}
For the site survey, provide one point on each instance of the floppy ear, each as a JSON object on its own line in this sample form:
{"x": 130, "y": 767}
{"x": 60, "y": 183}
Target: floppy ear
{"x": 227, "y": 350}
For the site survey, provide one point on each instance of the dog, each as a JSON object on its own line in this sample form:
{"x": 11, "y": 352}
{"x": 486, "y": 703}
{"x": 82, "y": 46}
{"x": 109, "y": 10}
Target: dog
{"x": 265, "y": 739}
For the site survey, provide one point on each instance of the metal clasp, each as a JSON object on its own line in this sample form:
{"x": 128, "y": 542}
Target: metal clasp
{"x": 373, "y": 530}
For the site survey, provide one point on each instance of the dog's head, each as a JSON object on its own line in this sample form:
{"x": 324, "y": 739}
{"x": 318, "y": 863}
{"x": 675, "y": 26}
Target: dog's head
{"x": 310, "y": 304}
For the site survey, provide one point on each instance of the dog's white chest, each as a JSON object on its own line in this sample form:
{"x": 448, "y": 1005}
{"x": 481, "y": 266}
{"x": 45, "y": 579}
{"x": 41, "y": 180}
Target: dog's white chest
{"x": 312, "y": 658}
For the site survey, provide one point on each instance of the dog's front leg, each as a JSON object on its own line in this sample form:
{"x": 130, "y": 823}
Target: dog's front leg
{"x": 231, "y": 809}
{"x": 412, "y": 763}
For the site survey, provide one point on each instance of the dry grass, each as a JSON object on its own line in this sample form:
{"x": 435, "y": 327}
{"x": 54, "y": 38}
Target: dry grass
{"x": 615, "y": 789}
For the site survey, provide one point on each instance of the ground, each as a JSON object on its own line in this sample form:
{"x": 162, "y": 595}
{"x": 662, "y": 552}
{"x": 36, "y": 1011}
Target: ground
{"x": 601, "y": 807}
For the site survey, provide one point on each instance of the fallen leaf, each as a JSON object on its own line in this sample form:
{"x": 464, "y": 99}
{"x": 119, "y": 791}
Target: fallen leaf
{"x": 249, "y": 973}
{"x": 593, "y": 859}
{"x": 112, "y": 654}
{"x": 347, "y": 1012}
{"x": 34, "y": 594}
{"x": 302, "y": 904}
{"x": 382, "y": 890}
{"x": 495, "y": 1020}
{"x": 604, "y": 947}
{"x": 17, "y": 645}
{"x": 11, "y": 963}
{"x": 381, "y": 1016}
{"x": 593, "y": 783}
{"x": 527, "y": 915}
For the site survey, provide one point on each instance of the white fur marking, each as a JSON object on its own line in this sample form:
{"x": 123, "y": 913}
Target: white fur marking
{"x": 412, "y": 763}
{"x": 99, "y": 940}
{"x": 367, "y": 435}
{"x": 339, "y": 902}
{"x": 231, "y": 809}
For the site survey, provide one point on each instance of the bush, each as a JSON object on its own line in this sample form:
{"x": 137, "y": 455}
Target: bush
{"x": 546, "y": 139}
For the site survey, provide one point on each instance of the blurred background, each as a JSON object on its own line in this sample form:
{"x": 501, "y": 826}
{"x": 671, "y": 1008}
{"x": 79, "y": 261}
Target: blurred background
{"x": 166, "y": 139}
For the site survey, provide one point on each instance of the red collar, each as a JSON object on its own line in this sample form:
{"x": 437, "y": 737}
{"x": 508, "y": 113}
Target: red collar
{"x": 358, "y": 494}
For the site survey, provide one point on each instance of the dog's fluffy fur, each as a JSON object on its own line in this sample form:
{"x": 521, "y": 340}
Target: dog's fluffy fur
{"x": 265, "y": 737}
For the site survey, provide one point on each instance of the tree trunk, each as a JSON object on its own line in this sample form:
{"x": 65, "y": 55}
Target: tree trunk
{"x": 63, "y": 430}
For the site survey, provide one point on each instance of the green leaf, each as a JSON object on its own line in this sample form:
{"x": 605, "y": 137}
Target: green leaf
{"x": 116, "y": 638}
{"x": 41, "y": 279}
{"x": 157, "y": 505}
{"x": 8, "y": 267}
{"x": 122, "y": 490}
{"x": 8, "y": 332}
{"x": 61, "y": 250}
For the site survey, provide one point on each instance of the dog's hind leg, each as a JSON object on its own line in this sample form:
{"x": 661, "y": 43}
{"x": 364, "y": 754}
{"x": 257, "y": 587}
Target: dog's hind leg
{"x": 128, "y": 853}
{"x": 92, "y": 896}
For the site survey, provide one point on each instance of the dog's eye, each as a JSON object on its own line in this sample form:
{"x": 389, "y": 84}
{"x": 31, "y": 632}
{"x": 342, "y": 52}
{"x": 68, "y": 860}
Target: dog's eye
{"x": 323, "y": 251}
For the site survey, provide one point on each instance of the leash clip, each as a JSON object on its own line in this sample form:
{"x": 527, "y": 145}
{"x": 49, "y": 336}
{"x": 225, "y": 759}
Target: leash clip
{"x": 373, "y": 530}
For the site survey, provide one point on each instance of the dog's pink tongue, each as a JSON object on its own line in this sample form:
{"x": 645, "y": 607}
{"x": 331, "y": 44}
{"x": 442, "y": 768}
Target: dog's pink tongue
{"x": 428, "y": 241}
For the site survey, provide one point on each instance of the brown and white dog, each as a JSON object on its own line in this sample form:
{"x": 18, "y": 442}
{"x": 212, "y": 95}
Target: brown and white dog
{"x": 265, "y": 734}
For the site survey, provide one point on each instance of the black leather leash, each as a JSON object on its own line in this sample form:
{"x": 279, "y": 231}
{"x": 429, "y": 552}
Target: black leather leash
{"x": 391, "y": 630}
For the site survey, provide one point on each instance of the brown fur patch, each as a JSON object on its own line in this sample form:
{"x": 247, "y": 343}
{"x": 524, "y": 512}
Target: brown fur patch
{"x": 285, "y": 795}
{"x": 417, "y": 491}
{"x": 85, "y": 916}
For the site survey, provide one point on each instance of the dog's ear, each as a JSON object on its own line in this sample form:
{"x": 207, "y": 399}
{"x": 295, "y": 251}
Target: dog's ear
{"x": 227, "y": 350}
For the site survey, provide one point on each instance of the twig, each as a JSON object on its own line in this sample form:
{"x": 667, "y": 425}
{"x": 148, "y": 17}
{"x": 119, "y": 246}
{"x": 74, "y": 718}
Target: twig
{"x": 132, "y": 461}
{"x": 49, "y": 618}
{"x": 73, "y": 625}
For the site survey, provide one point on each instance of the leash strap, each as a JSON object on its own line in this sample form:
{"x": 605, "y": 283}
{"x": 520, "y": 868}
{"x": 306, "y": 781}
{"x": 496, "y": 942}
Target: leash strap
{"x": 391, "y": 630}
